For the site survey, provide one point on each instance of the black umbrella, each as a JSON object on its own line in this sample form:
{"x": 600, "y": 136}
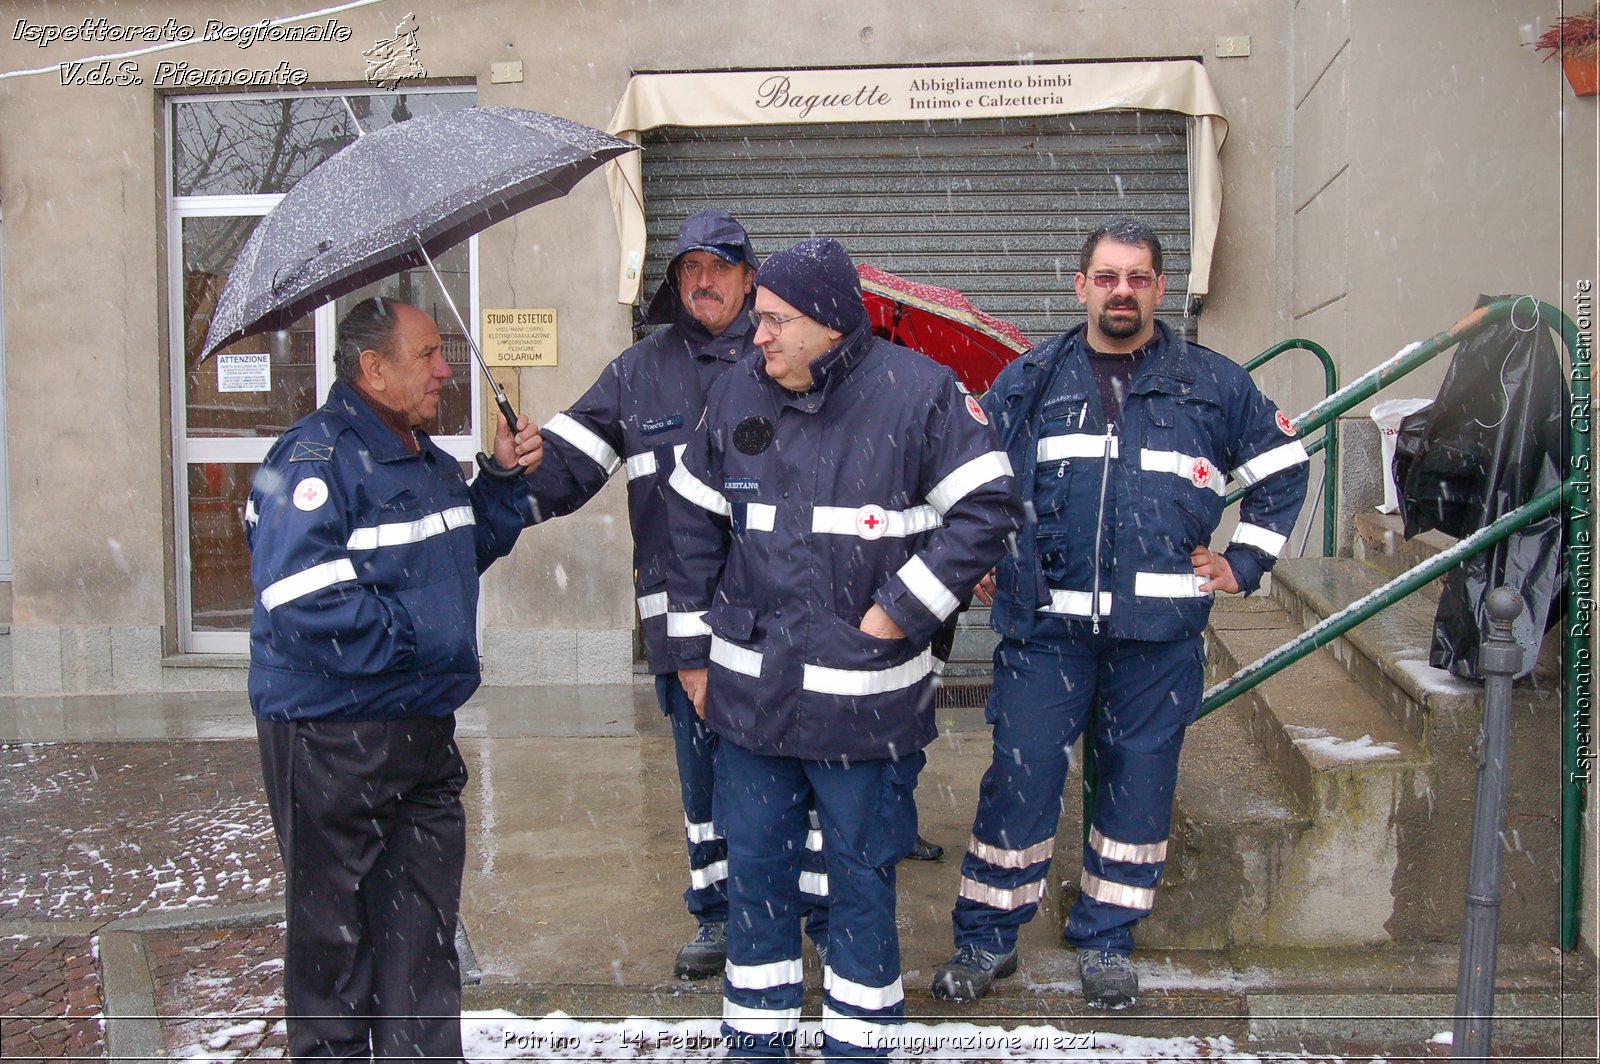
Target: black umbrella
{"x": 391, "y": 201}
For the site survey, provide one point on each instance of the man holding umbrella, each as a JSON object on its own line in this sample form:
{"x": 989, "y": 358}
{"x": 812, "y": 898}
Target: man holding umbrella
{"x": 366, "y": 545}
{"x": 638, "y": 415}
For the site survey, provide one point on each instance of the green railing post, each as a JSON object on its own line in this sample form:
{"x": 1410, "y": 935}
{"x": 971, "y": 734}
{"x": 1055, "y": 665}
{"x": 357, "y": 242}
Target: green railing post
{"x": 1329, "y": 440}
{"x": 1577, "y": 698}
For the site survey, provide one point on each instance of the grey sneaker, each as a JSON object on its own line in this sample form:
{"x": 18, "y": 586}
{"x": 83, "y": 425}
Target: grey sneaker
{"x": 1109, "y": 981}
{"x": 706, "y": 953}
{"x": 971, "y": 973}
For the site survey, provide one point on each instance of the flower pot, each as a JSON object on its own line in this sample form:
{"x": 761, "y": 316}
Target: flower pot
{"x": 1583, "y": 73}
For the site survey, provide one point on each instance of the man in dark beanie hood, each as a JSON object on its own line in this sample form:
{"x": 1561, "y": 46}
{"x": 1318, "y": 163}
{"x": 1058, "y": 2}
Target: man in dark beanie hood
{"x": 840, "y": 498}
{"x": 638, "y": 415}
{"x": 810, "y": 321}
{"x": 714, "y": 233}
{"x": 817, "y": 278}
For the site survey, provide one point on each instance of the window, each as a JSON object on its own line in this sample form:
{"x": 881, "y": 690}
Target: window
{"x": 232, "y": 159}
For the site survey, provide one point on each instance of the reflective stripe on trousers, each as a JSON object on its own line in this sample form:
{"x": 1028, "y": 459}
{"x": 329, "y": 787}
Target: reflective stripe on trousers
{"x": 1040, "y": 703}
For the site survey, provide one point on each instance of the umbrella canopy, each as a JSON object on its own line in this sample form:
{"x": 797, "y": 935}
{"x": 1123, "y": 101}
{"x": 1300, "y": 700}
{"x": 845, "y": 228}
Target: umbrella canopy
{"x": 359, "y": 216}
{"x": 942, "y": 324}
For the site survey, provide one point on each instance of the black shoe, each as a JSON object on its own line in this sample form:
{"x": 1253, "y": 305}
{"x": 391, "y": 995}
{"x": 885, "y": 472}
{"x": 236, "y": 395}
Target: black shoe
{"x": 923, "y": 850}
{"x": 971, "y": 973}
{"x": 1109, "y": 981}
{"x": 705, "y": 955}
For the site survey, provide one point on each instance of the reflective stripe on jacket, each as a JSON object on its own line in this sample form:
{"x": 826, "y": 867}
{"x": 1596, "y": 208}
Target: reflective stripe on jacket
{"x": 794, "y": 513}
{"x": 365, "y": 560}
{"x": 636, "y": 418}
{"x": 1192, "y": 421}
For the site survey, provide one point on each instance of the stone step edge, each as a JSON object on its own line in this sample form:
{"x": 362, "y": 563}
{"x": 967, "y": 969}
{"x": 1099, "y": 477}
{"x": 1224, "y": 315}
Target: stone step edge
{"x": 1427, "y": 687}
{"x": 1392, "y": 553}
{"x": 1296, "y": 735}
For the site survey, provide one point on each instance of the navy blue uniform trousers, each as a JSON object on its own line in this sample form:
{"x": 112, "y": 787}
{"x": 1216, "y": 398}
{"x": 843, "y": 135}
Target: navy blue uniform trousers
{"x": 1044, "y": 691}
{"x": 696, "y": 749}
{"x": 868, "y": 822}
{"x": 369, "y": 820}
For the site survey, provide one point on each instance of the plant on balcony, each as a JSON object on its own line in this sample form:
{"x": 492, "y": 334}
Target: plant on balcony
{"x": 1576, "y": 39}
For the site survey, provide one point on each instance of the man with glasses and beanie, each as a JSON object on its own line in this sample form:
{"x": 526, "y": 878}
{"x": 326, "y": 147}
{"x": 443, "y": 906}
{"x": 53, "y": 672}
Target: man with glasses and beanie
{"x": 637, "y": 416}
{"x": 1123, "y": 436}
{"x": 839, "y": 498}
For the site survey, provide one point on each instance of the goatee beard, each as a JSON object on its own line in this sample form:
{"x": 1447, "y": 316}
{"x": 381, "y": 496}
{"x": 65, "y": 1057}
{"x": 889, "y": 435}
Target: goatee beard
{"x": 1121, "y": 327}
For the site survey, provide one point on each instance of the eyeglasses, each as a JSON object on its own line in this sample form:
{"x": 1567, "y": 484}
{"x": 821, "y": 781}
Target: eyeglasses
{"x": 716, "y": 268}
{"x": 1136, "y": 281}
{"x": 773, "y": 323}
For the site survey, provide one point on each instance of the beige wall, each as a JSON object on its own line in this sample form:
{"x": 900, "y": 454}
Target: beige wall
{"x": 86, "y": 350}
{"x": 1435, "y": 158}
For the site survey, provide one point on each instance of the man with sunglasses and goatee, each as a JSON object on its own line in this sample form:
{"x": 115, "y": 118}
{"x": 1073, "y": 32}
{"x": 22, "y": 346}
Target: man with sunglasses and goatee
{"x": 1123, "y": 436}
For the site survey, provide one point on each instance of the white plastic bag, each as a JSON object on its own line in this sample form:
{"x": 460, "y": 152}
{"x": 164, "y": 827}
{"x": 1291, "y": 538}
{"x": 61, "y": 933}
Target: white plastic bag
{"x": 1388, "y": 415}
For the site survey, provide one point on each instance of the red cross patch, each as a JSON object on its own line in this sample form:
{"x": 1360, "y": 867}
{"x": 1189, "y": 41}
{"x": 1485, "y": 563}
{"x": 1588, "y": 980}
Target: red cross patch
{"x": 1201, "y": 472}
{"x": 310, "y": 493}
{"x": 1285, "y": 426}
{"x": 976, "y": 411}
{"x": 871, "y": 522}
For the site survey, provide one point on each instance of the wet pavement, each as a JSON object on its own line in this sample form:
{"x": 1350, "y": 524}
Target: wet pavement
{"x": 140, "y": 912}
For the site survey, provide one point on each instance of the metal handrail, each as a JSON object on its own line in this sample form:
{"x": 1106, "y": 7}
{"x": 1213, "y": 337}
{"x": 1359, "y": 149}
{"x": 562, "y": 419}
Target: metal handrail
{"x": 1363, "y": 609}
{"x": 1329, "y": 439}
{"x": 1575, "y": 492}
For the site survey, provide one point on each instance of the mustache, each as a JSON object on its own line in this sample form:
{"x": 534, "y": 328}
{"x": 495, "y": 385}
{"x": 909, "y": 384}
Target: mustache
{"x": 706, "y": 293}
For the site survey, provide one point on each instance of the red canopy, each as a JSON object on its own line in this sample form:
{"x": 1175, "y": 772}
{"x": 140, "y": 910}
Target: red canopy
{"x": 942, "y": 324}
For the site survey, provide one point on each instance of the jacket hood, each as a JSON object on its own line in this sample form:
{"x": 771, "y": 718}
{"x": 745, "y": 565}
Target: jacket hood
{"x": 716, "y": 231}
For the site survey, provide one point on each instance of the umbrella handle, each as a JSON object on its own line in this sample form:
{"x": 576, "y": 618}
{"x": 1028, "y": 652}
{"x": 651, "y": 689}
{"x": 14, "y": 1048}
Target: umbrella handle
{"x": 489, "y": 466}
{"x": 485, "y": 463}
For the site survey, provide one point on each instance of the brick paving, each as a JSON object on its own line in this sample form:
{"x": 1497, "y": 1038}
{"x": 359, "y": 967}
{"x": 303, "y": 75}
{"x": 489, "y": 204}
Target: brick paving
{"x": 220, "y": 993}
{"x": 50, "y": 998}
{"x": 107, "y": 830}
{"x": 103, "y": 831}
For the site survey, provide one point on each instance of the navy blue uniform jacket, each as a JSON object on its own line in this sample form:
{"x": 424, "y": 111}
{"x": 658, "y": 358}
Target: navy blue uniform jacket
{"x": 365, "y": 560}
{"x": 793, "y": 513}
{"x": 1113, "y": 515}
{"x": 637, "y": 416}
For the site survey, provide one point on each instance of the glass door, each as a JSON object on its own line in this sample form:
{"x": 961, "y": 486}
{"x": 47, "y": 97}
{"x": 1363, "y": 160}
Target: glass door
{"x": 233, "y": 159}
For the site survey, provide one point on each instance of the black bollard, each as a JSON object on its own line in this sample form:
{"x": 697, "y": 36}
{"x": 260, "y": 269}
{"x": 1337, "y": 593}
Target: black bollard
{"x": 1499, "y": 659}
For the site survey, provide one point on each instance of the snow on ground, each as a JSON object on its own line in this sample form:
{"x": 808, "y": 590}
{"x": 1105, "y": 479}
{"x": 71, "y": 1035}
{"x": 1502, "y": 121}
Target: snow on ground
{"x": 1318, "y": 741}
{"x": 1165, "y": 975}
{"x": 499, "y": 1035}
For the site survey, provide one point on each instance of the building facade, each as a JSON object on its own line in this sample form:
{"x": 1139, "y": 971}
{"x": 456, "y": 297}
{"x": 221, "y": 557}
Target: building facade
{"x": 1355, "y": 172}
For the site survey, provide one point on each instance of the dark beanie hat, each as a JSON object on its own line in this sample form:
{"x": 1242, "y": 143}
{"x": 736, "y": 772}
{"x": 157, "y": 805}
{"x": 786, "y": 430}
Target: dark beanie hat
{"x": 817, "y": 278}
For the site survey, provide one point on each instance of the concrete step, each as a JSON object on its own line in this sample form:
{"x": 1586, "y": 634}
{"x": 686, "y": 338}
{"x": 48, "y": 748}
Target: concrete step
{"x": 1425, "y": 873}
{"x": 1380, "y": 543}
{"x": 1349, "y": 765}
{"x": 1351, "y": 1004}
{"x": 1235, "y": 827}
{"x": 1314, "y": 720}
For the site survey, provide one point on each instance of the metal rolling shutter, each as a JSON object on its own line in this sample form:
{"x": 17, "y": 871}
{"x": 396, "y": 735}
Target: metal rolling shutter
{"x": 994, "y": 207}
